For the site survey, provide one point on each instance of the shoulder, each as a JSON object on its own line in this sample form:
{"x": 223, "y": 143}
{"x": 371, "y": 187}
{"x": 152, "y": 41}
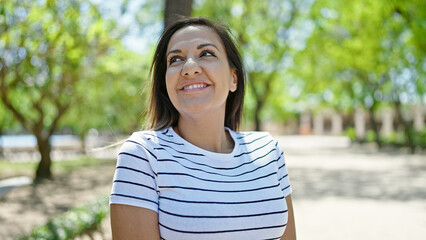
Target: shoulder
{"x": 151, "y": 137}
{"x": 251, "y": 137}
{"x": 146, "y": 140}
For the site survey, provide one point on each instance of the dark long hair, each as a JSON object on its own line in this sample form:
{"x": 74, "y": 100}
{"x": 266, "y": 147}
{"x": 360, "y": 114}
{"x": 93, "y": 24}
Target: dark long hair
{"x": 161, "y": 112}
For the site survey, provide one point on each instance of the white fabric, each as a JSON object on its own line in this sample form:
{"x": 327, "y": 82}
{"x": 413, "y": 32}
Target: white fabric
{"x": 200, "y": 194}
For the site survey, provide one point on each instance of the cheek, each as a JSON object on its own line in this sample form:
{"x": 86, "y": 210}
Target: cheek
{"x": 170, "y": 76}
{"x": 169, "y": 87}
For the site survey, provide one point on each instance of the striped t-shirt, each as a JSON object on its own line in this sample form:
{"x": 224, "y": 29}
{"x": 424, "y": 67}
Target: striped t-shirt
{"x": 200, "y": 194}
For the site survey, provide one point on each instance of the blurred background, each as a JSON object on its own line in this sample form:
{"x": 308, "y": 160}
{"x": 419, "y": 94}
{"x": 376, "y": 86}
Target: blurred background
{"x": 341, "y": 84}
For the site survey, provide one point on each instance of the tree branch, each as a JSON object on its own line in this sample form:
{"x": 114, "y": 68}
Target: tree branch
{"x": 5, "y": 99}
{"x": 61, "y": 110}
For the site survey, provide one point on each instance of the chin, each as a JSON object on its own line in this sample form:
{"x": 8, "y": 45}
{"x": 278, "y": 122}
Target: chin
{"x": 196, "y": 109}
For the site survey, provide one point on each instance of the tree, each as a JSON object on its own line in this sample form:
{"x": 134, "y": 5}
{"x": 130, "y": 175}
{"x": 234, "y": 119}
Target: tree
{"x": 360, "y": 50}
{"x": 46, "y": 47}
{"x": 174, "y": 8}
{"x": 113, "y": 96}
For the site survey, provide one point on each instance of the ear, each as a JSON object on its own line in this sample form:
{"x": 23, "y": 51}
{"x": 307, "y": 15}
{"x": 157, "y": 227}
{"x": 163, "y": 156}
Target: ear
{"x": 234, "y": 80}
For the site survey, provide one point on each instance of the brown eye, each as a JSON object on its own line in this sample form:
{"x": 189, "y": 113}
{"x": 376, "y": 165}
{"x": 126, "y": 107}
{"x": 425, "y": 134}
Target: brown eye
{"x": 175, "y": 59}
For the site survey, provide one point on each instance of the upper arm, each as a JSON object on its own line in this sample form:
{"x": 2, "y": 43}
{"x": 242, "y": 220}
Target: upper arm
{"x": 134, "y": 199}
{"x": 131, "y": 223}
{"x": 290, "y": 230}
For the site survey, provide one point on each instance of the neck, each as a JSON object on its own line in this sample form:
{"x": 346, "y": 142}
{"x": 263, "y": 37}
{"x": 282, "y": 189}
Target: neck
{"x": 206, "y": 132}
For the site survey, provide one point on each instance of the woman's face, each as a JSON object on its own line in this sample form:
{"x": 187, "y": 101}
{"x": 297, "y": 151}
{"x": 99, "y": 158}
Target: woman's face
{"x": 198, "y": 76}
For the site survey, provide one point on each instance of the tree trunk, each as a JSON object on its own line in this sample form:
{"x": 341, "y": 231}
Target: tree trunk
{"x": 82, "y": 138}
{"x": 374, "y": 126}
{"x": 44, "y": 147}
{"x": 1, "y": 143}
{"x": 257, "y": 120}
{"x": 408, "y": 128}
{"x": 176, "y": 8}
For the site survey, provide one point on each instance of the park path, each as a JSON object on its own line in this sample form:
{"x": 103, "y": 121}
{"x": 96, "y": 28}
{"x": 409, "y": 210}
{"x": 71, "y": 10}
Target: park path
{"x": 348, "y": 193}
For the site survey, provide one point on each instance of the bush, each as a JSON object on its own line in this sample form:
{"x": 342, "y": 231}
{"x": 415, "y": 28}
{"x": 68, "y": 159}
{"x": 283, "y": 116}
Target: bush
{"x": 393, "y": 138}
{"x": 370, "y": 136}
{"x": 350, "y": 133}
{"x": 73, "y": 223}
{"x": 420, "y": 138}
{"x": 400, "y": 138}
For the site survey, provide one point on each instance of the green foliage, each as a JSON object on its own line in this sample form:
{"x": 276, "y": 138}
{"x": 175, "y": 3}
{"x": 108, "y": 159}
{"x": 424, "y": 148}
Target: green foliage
{"x": 420, "y": 138}
{"x": 7, "y": 122}
{"x": 366, "y": 54}
{"x": 400, "y": 139}
{"x": 370, "y": 135}
{"x": 46, "y": 48}
{"x": 350, "y": 132}
{"x": 392, "y": 138}
{"x": 62, "y": 65}
{"x": 73, "y": 223}
{"x": 113, "y": 94}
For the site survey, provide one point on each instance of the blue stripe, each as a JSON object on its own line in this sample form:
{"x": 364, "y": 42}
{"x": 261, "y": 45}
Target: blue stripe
{"x": 222, "y": 191}
{"x": 245, "y": 143}
{"x": 133, "y": 155}
{"x": 134, "y": 197}
{"x": 217, "y": 181}
{"x": 226, "y": 175}
{"x": 136, "y": 170}
{"x": 231, "y": 216}
{"x": 239, "y": 155}
{"x": 223, "y": 231}
{"x": 187, "y": 153}
{"x": 243, "y": 135}
{"x": 143, "y": 147}
{"x": 137, "y": 184}
{"x": 153, "y": 135}
{"x": 281, "y": 178}
{"x": 165, "y": 133}
{"x": 226, "y": 203}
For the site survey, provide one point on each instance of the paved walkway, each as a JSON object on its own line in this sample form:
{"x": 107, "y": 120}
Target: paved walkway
{"x": 345, "y": 193}
{"x": 8, "y": 184}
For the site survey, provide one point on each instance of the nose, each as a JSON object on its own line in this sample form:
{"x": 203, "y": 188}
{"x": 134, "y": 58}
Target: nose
{"x": 190, "y": 68}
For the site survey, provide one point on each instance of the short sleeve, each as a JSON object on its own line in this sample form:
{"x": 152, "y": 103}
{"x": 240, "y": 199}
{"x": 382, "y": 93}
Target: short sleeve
{"x": 283, "y": 177}
{"x": 134, "y": 180}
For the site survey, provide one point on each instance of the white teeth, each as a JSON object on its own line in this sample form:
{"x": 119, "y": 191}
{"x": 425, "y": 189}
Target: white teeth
{"x": 194, "y": 86}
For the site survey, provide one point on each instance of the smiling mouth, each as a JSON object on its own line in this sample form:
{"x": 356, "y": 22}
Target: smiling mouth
{"x": 195, "y": 87}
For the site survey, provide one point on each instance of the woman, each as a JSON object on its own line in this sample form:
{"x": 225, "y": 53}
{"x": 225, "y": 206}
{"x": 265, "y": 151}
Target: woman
{"x": 193, "y": 176}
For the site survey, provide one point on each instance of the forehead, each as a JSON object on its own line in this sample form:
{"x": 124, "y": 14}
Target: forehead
{"x": 193, "y": 36}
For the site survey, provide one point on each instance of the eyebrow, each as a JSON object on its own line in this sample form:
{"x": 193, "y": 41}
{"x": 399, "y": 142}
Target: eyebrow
{"x": 198, "y": 47}
{"x": 207, "y": 44}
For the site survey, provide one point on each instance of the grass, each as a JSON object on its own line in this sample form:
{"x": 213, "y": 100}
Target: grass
{"x": 12, "y": 169}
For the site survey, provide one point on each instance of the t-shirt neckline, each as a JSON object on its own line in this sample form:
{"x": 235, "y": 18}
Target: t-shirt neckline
{"x": 205, "y": 152}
